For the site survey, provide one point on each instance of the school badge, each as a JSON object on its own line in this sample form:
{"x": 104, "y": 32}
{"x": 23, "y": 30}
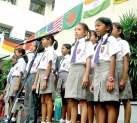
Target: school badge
{"x": 43, "y": 58}
{"x": 33, "y": 65}
{"x": 64, "y": 65}
{"x": 102, "y": 49}
{"x": 16, "y": 68}
{"x": 78, "y": 51}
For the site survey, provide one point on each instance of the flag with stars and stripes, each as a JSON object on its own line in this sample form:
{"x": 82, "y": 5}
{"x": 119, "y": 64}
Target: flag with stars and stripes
{"x": 55, "y": 25}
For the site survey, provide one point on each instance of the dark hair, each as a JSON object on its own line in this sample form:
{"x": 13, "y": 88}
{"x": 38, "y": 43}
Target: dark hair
{"x": 68, "y": 46}
{"x": 41, "y": 48}
{"x": 107, "y": 22}
{"x": 85, "y": 26}
{"x": 55, "y": 42}
{"x": 21, "y": 50}
{"x": 119, "y": 27}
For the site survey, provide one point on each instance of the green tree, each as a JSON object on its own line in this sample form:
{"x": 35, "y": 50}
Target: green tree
{"x": 5, "y": 66}
{"x": 129, "y": 23}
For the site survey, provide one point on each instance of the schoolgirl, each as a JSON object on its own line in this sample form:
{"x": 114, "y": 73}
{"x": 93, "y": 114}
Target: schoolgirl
{"x": 90, "y": 97}
{"x": 77, "y": 81}
{"x": 105, "y": 79}
{"x": 63, "y": 70}
{"x": 9, "y": 77}
{"x": 122, "y": 65}
{"x": 17, "y": 75}
{"x": 31, "y": 98}
{"x": 44, "y": 81}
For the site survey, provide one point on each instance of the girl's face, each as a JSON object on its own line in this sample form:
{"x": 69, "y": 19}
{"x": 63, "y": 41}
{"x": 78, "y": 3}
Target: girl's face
{"x": 93, "y": 38}
{"x": 14, "y": 59}
{"x": 45, "y": 42}
{"x": 80, "y": 32}
{"x": 116, "y": 32}
{"x": 101, "y": 28}
{"x": 17, "y": 53}
{"x": 64, "y": 50}
{"x": 33, "y": 47}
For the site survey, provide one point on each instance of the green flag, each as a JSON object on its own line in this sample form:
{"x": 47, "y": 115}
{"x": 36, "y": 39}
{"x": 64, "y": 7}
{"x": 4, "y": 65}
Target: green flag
{"x": 72, "y": 17}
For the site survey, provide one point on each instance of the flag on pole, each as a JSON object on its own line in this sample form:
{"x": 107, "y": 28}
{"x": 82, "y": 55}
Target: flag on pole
{"x": 119, "y": 1}
{"x": 72, "y": 17}
{"x": 93, "y": 7}
{"x": 41, "y": 32}
{"x": 56, "y": 25}
{"x": 9, "y": 44}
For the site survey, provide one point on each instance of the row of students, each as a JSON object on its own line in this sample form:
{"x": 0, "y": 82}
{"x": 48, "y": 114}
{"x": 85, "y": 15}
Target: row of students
{"x": 109, "y": 83}
{"x": 77, "y": 75}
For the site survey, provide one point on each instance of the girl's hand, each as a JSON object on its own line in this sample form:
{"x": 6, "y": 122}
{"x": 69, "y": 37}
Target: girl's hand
{"x": 43, "y": 85}
{"x": 92, "y": 88}
{"x": 34, "y": 87}
{"x": 110, "y": 86}
{"x": 64, "y": 86}
{"x": 84, "y": 82}
{"x": 16, "y": 89}
{"x": 122, "y": 84}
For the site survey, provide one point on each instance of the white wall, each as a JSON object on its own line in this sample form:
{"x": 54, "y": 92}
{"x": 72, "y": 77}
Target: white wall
{"x": 21, "y": 19}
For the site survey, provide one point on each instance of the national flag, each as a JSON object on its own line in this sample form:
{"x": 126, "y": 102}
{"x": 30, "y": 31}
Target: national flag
{"x": 10, "y": 43}
{"x": 119, "y": 1}
{"x": 72, "y": 17}
{"x": 56, "y": 25}
{"x": 93, "y": 7}
{"x": 41, "y": 32}
{"x": 27, "y": 46}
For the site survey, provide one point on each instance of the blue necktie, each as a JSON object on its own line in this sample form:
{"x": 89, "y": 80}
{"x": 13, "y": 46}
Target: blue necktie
{"x": 96, "y": 58}
{"x": 73, "y": 58}
{"x": 60, "y": 65}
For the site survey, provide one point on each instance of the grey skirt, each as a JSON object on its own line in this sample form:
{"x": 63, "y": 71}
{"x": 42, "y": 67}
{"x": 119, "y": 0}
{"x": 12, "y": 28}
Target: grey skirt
{"x": 90, "y": 96}
{"x": 74, "y": 89}
{"x": 100, "y": 81}
{"x": 12, "y": 85}
{"x": 50, "y": 83}
{"x": 126, "y": 93}
{"x": 61, "y": 81}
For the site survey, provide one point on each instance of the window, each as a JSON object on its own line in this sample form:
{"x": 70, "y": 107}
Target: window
{"x": 53, "y": 5}
{"x": 5, "y": 31}
{"x": 37, "y": 6}
{"x": 10, "y": 1}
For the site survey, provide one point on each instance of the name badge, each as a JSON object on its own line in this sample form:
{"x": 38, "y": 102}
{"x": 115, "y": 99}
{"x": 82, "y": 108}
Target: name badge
{"x": 64, "y": 64}
{"x": 102, "y": 49}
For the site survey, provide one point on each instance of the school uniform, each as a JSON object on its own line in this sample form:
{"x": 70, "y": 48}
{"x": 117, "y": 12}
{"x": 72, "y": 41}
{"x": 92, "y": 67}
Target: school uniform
{"x": 19, "y": 67}
{"x": 126, "y": 93}
{"x": 49, "y": 55}
{"x": 63, "y": 73}
{"x": 77, "y": 70}
{"x": 31, "y": 98}
{"x": 103, "y": 69}
{"x": 90, "y": 96}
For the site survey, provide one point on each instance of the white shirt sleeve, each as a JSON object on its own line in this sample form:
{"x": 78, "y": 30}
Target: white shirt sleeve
{"x": 125, "y": 48}
{"x": 89, "y": 49}
{"x": 50, "y": 55}
{"x": 22, "y": 66}
{"x": 113, "y": 46}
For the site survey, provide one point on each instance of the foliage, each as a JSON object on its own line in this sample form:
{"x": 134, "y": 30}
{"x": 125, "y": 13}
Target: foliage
{"x": 129, "y": 23}
{"x": 5, "y": 66}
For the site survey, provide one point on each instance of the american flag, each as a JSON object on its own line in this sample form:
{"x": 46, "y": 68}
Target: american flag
{"x": 56, "y": 25}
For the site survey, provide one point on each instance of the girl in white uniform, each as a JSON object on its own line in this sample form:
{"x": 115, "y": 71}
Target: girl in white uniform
{"x": 63, "y": 70}
{"x": 122, "y": 66}
{"x": 44, "y": 81}
{"x": 17, "y": 75}
{"x": 90, "y": 97}
{"x": 105, "y": 80}
{"x": 78, "y": 77}
{"x": 31, "y": 98}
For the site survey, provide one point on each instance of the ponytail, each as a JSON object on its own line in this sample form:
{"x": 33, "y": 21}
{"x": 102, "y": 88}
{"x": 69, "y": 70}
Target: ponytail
{"x": 55, "y": 44}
